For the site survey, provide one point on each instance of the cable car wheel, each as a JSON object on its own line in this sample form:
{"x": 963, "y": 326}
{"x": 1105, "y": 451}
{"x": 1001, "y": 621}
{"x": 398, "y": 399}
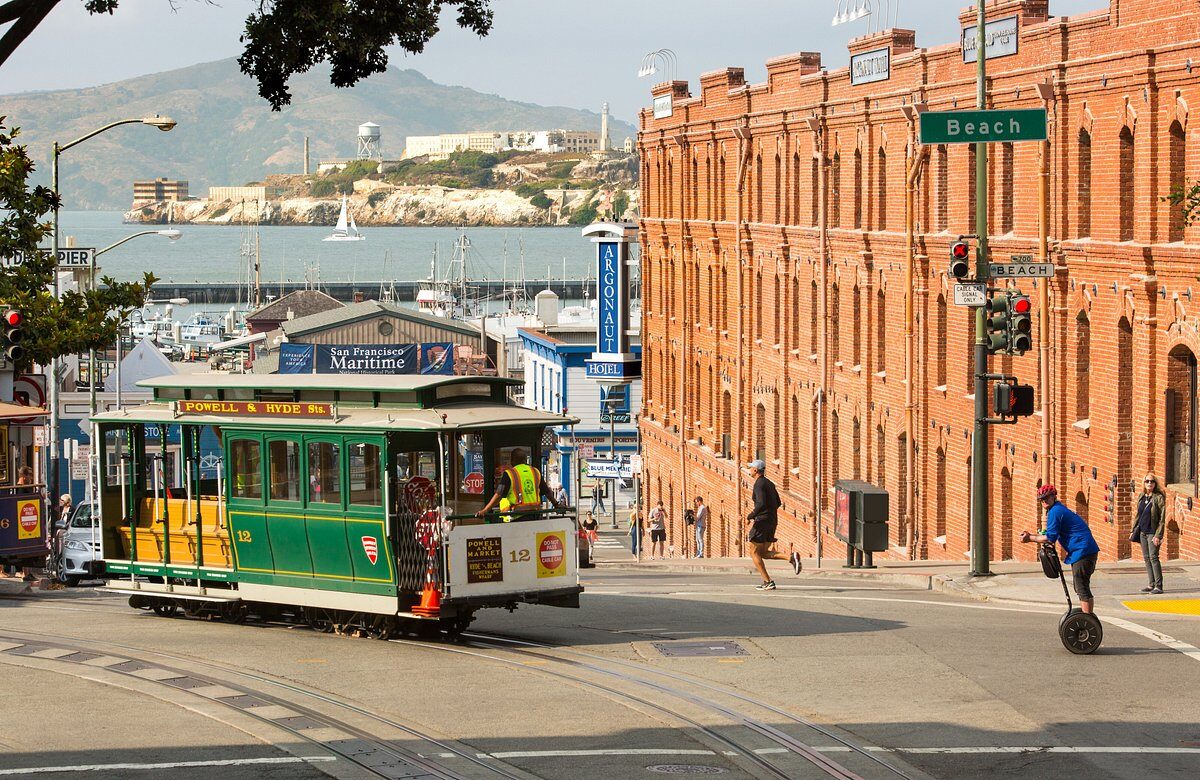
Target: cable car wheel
{"x": 234, "y": 612}
{"x": 319, "y": 620}
{"x": 165, "y": 608}
{"x": 382, "y": 628}
{"x": 1081, "y": 632}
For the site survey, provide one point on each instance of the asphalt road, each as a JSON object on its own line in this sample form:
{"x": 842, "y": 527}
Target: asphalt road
{"x": 819, "y": 678}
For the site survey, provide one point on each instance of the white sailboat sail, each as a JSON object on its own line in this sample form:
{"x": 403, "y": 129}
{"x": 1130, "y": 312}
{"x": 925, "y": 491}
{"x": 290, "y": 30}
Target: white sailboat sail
{"x": 345, "y": 230}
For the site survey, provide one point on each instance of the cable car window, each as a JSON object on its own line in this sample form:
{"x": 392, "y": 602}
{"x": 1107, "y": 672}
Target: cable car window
{"x": 116, "y": 446}
{"x": 168, "y": 394}
{"x": 324, "y": 473}
{"x": 365, "y": 486}
{"x": 246, "y": 468}
{"x": 468, "y": 390}
{"x": 470, "y": 464}
{"x": 284, "y": 470}
{"x": 415, "y": 487}
{"x": 238, "y": 394}
{"x": 356, "y": 397}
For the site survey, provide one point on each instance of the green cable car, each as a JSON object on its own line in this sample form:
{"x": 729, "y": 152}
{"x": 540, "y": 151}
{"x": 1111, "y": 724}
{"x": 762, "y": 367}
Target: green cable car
{"x": 347, "y": 502}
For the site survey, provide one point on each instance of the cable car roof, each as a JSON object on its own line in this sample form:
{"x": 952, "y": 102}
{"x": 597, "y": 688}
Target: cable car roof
{"x": 352, "y": 382}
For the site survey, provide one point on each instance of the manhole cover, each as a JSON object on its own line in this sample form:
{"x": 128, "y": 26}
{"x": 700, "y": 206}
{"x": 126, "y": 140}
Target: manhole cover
{"x": 711, "y": 649}
{"x": 686, "y": 769}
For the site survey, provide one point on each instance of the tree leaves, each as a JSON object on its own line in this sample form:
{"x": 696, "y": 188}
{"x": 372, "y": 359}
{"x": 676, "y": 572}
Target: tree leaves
{"x": 79, "y": 320}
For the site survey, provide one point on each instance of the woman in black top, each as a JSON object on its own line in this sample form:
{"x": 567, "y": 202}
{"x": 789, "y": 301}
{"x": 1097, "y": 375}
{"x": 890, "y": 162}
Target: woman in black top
{"x": 590, "y": 525}
{"x": 1149, "y": 524}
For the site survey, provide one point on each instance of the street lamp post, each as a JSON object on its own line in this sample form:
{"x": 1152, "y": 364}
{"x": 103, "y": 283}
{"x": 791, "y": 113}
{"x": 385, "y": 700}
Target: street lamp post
{"x": 93, "y": 407}
{"x": 162, "y": 123}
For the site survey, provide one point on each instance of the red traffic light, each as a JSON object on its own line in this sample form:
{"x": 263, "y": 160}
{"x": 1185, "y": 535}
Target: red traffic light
{"x": 13, "y": 318}
{"x": 1021, "y": 306}
{"x": 960, "y": 251}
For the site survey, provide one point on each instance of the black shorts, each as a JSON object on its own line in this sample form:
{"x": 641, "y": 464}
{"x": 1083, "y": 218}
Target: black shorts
{"x": 658, "y": 536}
{"x": 1081, "y": 576}
{"x": 761, "y": 534}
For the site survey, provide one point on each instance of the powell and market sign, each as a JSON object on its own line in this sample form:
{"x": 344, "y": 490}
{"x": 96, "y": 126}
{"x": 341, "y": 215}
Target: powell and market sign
{"x": 612, "y": 362}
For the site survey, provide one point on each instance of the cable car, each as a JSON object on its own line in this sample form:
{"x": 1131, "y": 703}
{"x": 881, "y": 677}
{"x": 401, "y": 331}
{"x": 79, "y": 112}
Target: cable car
{"x": 347, "y": 502}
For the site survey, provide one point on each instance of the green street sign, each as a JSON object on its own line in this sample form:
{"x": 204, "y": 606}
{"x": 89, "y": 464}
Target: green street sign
{"x": 993, "y": 127}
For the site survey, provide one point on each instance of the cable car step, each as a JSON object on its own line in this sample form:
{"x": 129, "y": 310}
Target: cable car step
{"x": 176, "y": 591}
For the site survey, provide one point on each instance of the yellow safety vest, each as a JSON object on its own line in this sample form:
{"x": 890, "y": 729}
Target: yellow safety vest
{"x": 523, "y": 492}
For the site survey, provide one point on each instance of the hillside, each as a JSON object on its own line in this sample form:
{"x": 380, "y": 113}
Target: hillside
{"x": 227, "y": 135}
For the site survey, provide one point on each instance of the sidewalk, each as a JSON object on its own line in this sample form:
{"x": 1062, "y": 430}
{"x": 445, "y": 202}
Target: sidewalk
{"x": 1011, "y": 580}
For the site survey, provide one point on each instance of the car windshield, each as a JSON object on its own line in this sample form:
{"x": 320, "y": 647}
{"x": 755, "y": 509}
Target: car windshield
{"x": 82, "y": 517}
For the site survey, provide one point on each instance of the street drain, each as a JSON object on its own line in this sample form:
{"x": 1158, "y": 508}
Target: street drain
{"x": 686, "y": 769}
{"x": 710, "y": 649}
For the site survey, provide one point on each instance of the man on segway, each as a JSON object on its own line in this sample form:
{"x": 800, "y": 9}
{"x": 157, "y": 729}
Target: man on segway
{"x": 1072, "y": 533}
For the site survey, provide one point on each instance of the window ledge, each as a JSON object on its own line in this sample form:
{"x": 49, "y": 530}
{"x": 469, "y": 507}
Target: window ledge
{"x": 940, "y": 540}
{"x": 1082, "y": 425}
{"x": 795, "y": 352}
{"x": 778, "y": 348}
{"x": 725, "y": 333}
{"x": 837, "y": 364}
{"x": 941, "y": 389}
{"x": 856, "y": 368}
{"x": 881, "y": 375}
{"x": 758, "y": 342}
{"x": 813, "y": 357}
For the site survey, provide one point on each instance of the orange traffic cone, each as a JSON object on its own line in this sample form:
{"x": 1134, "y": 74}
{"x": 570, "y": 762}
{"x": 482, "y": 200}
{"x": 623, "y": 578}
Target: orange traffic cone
{"x": 431, "y": 598}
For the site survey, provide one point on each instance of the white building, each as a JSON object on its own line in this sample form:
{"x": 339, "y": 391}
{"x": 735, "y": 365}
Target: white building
{"x": 439, "y": 147}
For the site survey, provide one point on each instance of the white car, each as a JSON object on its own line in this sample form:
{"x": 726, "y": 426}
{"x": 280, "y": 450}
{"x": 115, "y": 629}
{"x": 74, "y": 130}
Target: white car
{"x": 81, "y": 546}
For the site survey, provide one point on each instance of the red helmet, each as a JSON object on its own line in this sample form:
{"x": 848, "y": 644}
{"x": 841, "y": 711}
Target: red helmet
{"x": 1046, "y": 490}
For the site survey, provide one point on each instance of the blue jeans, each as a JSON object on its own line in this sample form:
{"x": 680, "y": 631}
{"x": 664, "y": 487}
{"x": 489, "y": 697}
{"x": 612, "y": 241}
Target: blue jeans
{"x": 699, "y": 540}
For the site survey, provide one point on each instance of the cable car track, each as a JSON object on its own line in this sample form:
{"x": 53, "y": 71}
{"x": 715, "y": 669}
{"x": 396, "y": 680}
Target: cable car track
{"x": 369, "y": 754}
{"x": 769, "y": 731}
{"x": 475, "y": 641}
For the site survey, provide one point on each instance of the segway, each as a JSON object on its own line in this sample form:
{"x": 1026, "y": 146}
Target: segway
{"x": 1080, "y": 631}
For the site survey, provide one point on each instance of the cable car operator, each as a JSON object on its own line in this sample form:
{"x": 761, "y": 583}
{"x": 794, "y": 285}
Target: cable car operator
{"x": 520, "y": 487}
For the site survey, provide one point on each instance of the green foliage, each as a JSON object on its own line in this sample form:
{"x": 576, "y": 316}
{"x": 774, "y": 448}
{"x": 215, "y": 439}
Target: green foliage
{"x": 76, "y": 322}
{"x": 322, "y": 188}
{"x": 560, "y": 170}
{"x": 585, "y": 214}
{"x": 1187, "y": 200}
{"x": 376, "y": 197}
{"x": 342, "y": 182}
{"x": 531, "y": 189}
{"x": 620, "y": 204}
{"x": 461, "y": 170}
{"x": 540, "y": 201}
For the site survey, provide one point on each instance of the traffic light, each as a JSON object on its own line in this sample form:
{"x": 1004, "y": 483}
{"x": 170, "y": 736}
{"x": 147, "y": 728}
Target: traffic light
{"x": 10, "y": 340}
{"x": 1012, "y": 400}
{"x": 998, "y": 321}
{"x": 960, "y": 260}
{"x": 1020, "y": 324}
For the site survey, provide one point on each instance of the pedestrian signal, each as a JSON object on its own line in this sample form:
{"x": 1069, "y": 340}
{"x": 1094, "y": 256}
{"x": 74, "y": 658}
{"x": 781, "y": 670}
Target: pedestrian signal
{"x": 12, "y": 335}
{"x": 960, "y": 260}
{"x": 1012, "y": 400}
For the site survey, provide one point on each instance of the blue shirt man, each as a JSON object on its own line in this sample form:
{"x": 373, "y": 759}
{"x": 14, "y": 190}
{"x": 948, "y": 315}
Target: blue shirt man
{"x": 1071, "y": 531}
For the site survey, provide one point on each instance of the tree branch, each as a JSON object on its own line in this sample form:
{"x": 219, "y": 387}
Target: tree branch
{"x": 29, "y": 18}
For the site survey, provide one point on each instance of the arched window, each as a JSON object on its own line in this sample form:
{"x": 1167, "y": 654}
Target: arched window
{"x": 1128, "y": 184}
{"x": 880, "y": 457}
{"x": 939, "y": 337}
{"x": 1006, "y": 188}
{"x": 816, "y": 496}
{"x": 694, "y": 185}
{"x": 901, "y": 489}
{"x": 795, "y": 312}
{"x": 970, "y": 350}
{"x": 1083, "y": 366}
{"x": 1125, "y": 362}
{"x": 835, "y": 192}
{"x": 943, "y": 184}
{"x": 856, "y": 335}
{"x": 1181, "y": 417}
{"x": 709, "y": 210}
{"x": 835, "y": 317}
{"x": 760, "y": 432}
{"x": 881, "y": 329}
{"x": 1178, "y": 178}
{"x": 1083, "y": 193}
{"x": 670, "y": 190}
{"x": 835, "y": 446}
{"x": 815, "y": 192}
{"x": 939, "y": 507}
{"x": 1081, "y": 505}
{"x": 778, "y": 311}
{"x": 881, "y": 197}
{"x": 1006, "y": 514}
{"x": 858, "y": 190}
{"x": 758, "y": 310}
{"x": 793, "y": 460}
{"x": 726, "y": 424}
{"x": 970, "y": 188}
{"x": 758, "y": 190}
{"x": 813, "y": 307}
{"x": 794, "y": 200}
{"x": 777, "y": 193}
{"x": 856, "y": 449}
{"x": 721, "y": 183}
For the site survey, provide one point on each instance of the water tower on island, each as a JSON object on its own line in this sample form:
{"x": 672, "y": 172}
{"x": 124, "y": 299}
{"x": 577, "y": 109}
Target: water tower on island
{"x": 369, "y": 144}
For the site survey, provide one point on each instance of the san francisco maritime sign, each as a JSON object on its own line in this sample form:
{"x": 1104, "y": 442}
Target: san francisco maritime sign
{"x": 256, "y": 408}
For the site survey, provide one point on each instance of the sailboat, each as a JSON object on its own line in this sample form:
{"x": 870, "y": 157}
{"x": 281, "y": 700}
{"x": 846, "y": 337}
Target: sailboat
{"x": 345, "y": 231}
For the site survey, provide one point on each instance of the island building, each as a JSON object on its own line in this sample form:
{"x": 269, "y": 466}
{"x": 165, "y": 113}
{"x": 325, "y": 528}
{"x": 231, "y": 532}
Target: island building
{"x": 440, "y": 147}
{"x": 160, "y": 189}
{"x": 776, "y": 270}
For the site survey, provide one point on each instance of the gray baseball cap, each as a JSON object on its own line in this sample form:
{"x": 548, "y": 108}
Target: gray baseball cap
{"x": 757, "y": 464}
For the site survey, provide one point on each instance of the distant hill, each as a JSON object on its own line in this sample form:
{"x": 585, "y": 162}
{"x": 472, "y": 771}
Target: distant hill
{"x": 227, "y": 134}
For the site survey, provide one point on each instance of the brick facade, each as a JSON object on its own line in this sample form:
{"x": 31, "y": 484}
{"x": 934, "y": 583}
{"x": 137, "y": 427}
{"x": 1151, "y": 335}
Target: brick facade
{"x": 737, "y": 347}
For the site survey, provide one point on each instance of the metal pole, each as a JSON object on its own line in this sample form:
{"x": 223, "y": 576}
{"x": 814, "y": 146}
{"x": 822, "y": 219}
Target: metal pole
{"x": 612, "y": 453}
{"x": 52, "y": 439}
{"x": 1044, "y": 302}
{"x": 979, "y": 459}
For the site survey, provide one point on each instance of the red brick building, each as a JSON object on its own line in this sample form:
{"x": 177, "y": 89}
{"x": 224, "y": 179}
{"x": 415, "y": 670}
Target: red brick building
{"x": 753, "y": 347}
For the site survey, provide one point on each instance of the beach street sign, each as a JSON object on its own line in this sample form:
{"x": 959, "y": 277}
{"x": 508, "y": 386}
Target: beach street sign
{"x": 970, "y": 294}
{"x": 995, "y": 126}
{"x": 1021, "y": 270}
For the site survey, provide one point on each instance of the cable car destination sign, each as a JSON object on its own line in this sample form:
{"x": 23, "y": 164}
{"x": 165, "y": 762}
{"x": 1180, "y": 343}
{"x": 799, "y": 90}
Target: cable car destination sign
{"x": 255, "y": 408}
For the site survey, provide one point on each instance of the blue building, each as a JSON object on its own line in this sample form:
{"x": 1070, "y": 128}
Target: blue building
{"x": 555, "y": 381}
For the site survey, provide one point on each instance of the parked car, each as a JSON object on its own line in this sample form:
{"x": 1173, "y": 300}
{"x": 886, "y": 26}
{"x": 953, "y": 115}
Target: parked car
{"x": 81, "y": 547}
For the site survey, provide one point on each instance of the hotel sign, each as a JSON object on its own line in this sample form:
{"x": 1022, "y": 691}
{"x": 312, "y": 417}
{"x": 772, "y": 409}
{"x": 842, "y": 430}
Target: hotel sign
{"x": 871, "y": 66}
{"x": 1002, "y": 37}
{"x": 256, "y": 408}
{"x": 612, "y": 362}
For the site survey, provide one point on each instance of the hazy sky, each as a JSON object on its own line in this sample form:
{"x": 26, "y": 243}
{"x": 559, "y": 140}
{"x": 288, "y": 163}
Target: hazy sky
{"x": 575, "y": 53}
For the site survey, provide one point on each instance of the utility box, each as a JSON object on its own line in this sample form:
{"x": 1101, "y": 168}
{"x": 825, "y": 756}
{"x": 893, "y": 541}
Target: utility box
{"x": 860, "y": 516}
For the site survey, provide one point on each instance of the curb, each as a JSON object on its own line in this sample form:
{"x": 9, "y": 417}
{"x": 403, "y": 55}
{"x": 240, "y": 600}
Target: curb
{"x": 916, "y": 580}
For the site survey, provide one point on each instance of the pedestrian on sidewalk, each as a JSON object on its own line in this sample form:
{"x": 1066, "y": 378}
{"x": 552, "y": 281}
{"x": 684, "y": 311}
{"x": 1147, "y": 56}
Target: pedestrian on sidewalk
{"x": 1073, "y": 535}
{"x": 763, "y": 520}
{"x": 598, "y": 497}
{"x": 1149, "y": 524}
{"x": 701, "y": 524}
{"x": 560, "y": 495}
{"x": 590, "y": 527}
{"x": 636, "y": 530}
{"x": 658, "y": 531}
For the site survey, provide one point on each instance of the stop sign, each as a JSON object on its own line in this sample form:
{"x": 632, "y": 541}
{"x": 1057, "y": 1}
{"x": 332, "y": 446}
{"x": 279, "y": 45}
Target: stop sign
{"x": 473, "y": 483}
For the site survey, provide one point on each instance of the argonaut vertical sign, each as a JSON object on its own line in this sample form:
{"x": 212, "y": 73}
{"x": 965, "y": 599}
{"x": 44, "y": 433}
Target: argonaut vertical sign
{"x": 612, "y": 362}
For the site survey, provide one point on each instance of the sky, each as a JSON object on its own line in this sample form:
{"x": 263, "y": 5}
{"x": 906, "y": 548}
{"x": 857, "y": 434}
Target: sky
{"x": 577, "y": 53}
